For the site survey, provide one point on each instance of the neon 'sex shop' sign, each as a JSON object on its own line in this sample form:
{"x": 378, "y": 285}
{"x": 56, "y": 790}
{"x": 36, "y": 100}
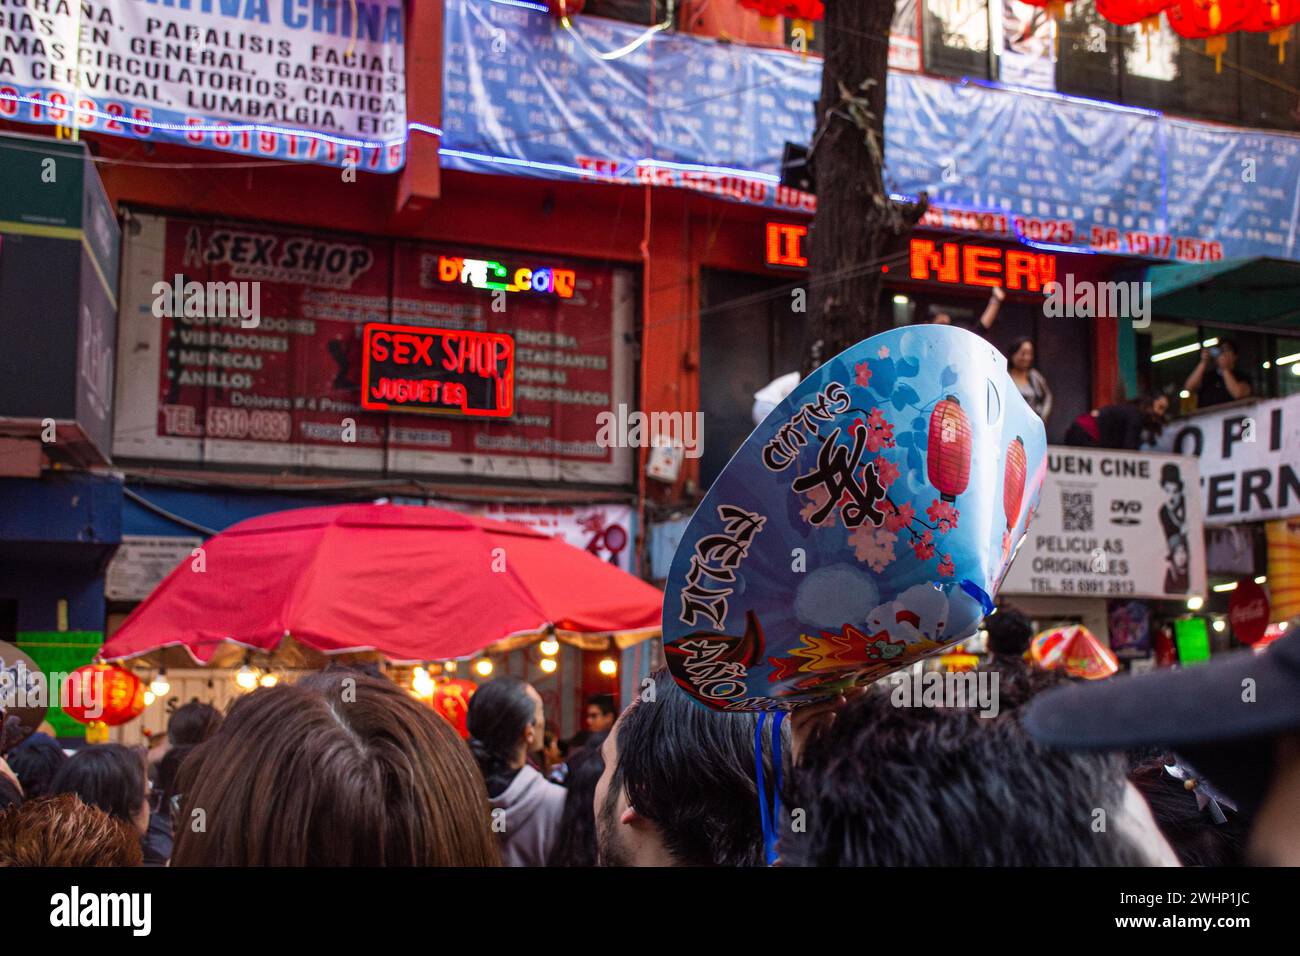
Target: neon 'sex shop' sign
{"x": 952, "y": 263}
{"x": 408, "y": 368}
{"x": 490, "y": 275}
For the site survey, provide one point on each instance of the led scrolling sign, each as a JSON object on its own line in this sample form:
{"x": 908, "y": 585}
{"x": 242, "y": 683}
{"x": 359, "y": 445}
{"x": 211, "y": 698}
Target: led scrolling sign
{"x": 952, "y": 263}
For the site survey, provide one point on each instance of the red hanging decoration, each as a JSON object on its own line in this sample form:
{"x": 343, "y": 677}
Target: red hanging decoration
{"x": 1208, "y": 20}
{"x": 1275, "y": 18}
{"x": 794, "y": 9}
{"x": 1013, "y": 481}
{"x": 451, "y": 700}
{"x": 565, "y": 8}
{"x": 116, "y": 690}
{"x": 948, "y": 452}
{"x": 1126, "y": 12}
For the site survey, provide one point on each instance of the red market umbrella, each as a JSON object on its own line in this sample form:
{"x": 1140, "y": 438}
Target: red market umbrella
{"x": 411, "y": 583}
{"x": 1075, "y": 649}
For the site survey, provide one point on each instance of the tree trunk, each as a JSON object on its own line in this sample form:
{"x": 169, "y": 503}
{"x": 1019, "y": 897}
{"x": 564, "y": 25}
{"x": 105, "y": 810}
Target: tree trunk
{"x": 856, "y": 225}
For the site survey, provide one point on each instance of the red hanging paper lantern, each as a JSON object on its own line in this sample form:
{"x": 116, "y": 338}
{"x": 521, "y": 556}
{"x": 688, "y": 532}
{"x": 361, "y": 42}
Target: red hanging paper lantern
{"x": 1013, "y": 481}
{"x": 766, "y": 9}
{"x": 948, "y": 452}
{"x": 1126, "y": 12}
{"x": 1208, "y": 20}
{"x": 115, "y": 690}
{"x": 451, "y": 700}
{"x": 1275, "y": 18}
{"x": 803, "y": 12}
{"x": 565, "y": 8}
{"x": 804, "y": 9}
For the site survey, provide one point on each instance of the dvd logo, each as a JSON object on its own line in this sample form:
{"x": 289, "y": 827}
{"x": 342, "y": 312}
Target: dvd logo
{"x": 1125, "y": 512}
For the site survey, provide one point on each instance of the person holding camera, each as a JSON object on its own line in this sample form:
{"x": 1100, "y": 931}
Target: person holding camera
{"x": 1215, "y": 379}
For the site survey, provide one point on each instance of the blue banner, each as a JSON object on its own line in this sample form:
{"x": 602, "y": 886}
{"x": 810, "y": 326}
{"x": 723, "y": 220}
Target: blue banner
{"x": 525, "y": 96}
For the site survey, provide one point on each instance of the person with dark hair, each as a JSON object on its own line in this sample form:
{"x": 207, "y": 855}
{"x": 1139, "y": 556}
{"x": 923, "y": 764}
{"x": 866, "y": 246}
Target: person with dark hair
{"x": 1029, "y": 381}
{"x": 507, "y": 724}
{"x": 11, "y": 794}
{"x": 111, "y": 777}
{"x": 35, "y": 761}
{"x": 1203, "y": 826}
{"x": 1245, "y": 746}
{"x": 896, "y": 786}
{"x": 679, "y": 786}
{"x": 63, "y": 831}
{"x": 358, "y": 773}
{"x": 941, "y": 315}
{"x": 575, "y": 839}
{"x": 1009, "y": 634}
{"x": 192, "y": 724}
{"x": 601, "y": 714}
{"x": 1215, "y": 379}
{"x": 1123, "y": 426}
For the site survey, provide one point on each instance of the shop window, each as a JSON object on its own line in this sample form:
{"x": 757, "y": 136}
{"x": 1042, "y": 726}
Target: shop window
{"x": 1088, "y": 53}
{"x": 1268, "y": 96}
{"x": 1164, "y": 72}
{"x": 1167, "y": 353}
{"x": 748, "y": 336}
{"x": 956, "y": 37}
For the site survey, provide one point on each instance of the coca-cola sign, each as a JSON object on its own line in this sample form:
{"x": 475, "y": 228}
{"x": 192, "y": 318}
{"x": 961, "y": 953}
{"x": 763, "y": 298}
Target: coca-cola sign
{"x": 1248, "y": 611}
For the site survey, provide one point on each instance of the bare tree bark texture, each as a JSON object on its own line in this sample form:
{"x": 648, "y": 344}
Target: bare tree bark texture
{"x": 855, "y": 224}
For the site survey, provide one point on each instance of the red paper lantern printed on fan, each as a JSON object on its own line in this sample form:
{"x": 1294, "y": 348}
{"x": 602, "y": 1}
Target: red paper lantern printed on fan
{"x": 1013, "y": 481}
{"x": 1208, "y": 20}
{"x": 104, "y": 694}
{"x": 1274, "y": 18}
{"x": 948, "y": 450}
{"x": 451, "y": 700}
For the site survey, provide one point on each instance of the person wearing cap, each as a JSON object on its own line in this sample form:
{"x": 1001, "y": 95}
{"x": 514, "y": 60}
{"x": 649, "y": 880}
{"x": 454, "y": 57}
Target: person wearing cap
{"x": 1235, "y": 721}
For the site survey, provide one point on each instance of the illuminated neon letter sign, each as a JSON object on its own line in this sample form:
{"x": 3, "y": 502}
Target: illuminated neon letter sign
{"x": 407, "y": 368}
{"x": 490, "y": 275}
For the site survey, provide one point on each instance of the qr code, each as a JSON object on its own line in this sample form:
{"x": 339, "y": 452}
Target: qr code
{"x": 1076, "y": 510}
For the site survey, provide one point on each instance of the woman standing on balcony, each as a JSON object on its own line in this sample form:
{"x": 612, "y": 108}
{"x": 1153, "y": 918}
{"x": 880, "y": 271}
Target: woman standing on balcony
{"x": 1030, "y": 381}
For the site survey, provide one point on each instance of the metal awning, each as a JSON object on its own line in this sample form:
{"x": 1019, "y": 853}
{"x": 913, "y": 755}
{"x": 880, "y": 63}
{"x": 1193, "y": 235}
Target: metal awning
{"x": 1258, "y": 292}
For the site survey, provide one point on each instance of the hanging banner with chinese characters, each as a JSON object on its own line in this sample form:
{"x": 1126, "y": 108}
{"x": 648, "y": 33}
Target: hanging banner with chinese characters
{"x": 281, "y": 79}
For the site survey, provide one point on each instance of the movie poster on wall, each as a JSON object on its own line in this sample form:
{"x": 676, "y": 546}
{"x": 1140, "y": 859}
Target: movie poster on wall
{"x": 210, "y": 387}
{"x": 1114, "y": 524}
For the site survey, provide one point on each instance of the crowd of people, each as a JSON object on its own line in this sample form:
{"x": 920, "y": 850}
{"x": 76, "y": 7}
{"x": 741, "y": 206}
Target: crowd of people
{"x": 345, "y": 767}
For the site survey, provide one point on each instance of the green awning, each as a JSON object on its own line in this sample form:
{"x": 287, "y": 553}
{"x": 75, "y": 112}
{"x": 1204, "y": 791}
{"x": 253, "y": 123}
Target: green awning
{"x": 1263, "y": 292}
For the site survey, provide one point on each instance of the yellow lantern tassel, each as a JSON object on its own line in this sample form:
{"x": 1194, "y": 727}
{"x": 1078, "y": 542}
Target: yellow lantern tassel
{"x": 1278, "y": 38}
{"x": 1215, "y": 46}
{"x": 1149, "y": 26}
{"x": 96, "y": 732}
{"x": 806, "y": 26}
{"x": 767, "y": 24}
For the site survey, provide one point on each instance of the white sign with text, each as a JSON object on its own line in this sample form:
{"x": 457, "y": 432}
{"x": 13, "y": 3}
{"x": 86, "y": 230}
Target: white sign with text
{"x": 1113, "y": 524}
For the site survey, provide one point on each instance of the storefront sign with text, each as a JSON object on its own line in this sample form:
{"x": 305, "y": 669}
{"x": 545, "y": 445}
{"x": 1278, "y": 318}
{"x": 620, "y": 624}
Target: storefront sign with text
{"x": 437, "y": 371}
{"x": 1113, "y": 524}
{"x": 1249, "y": 457}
